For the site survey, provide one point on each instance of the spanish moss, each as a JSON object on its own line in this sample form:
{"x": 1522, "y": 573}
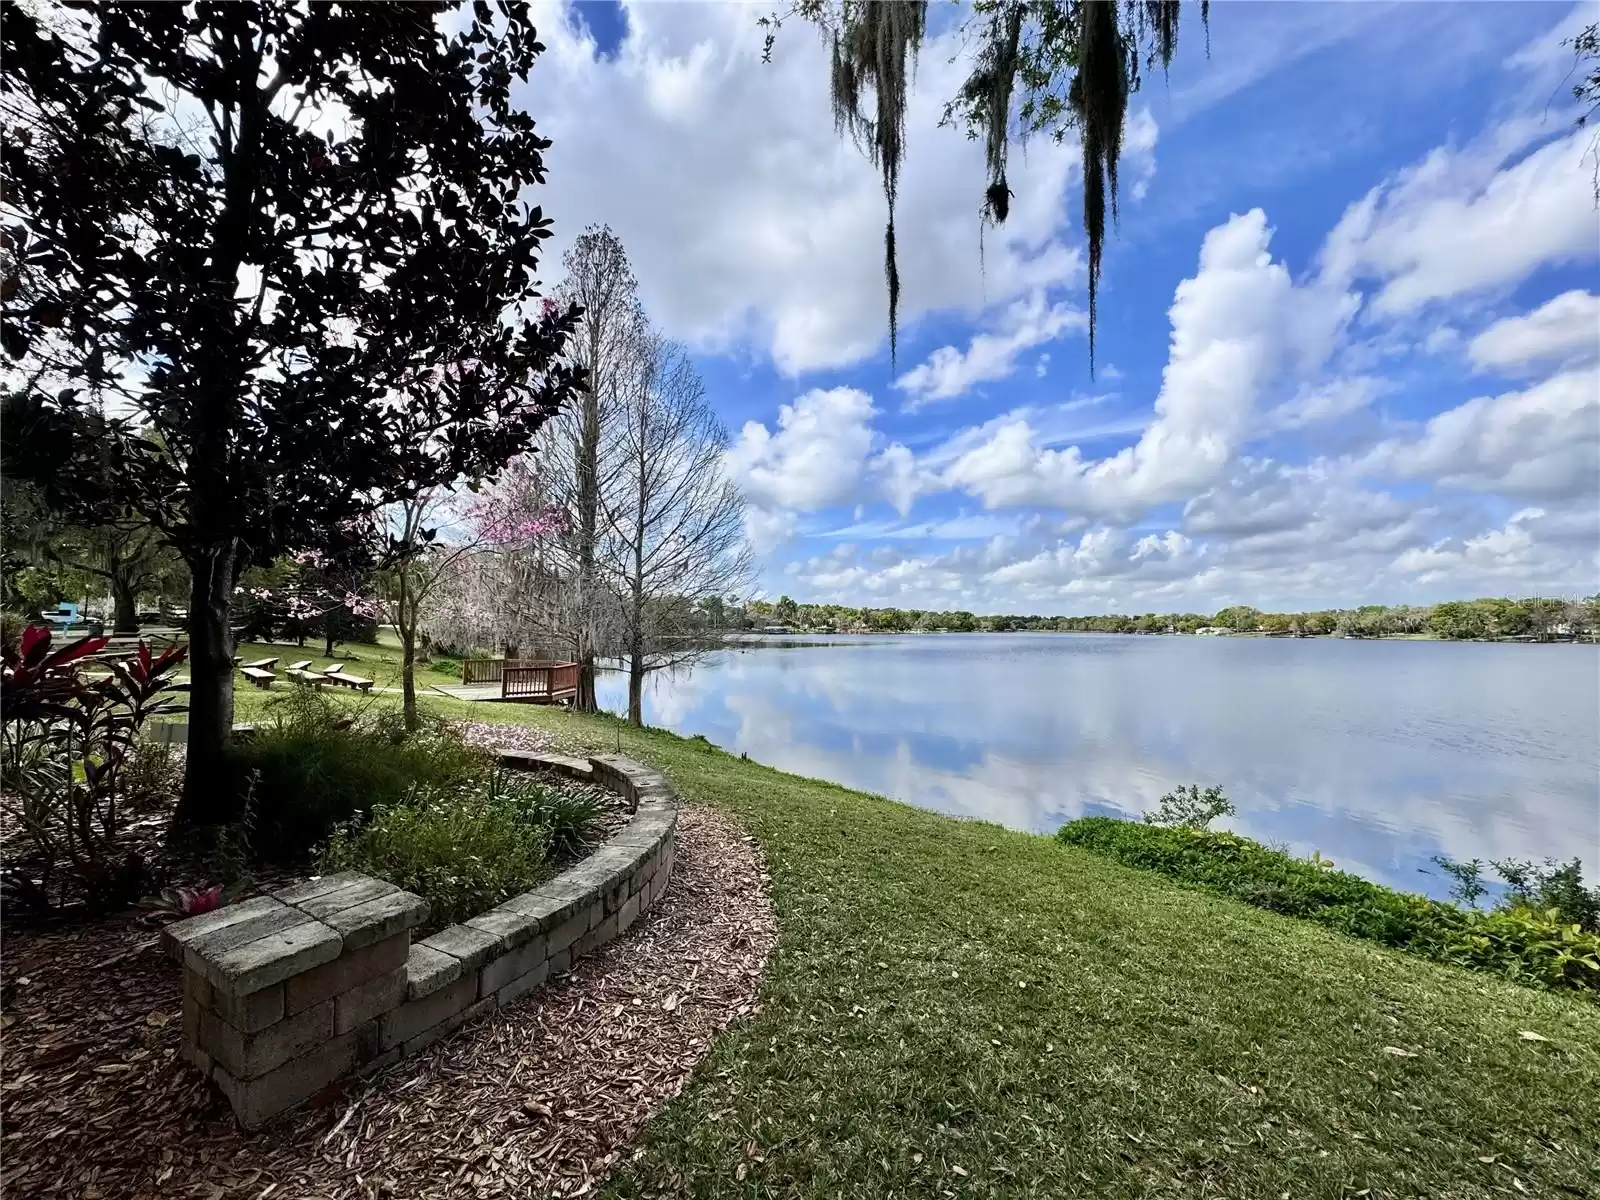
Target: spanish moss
{"x": 875, "y": 45}
{"x": 1060, "y": 66}
{"x": 1099, "y": 97}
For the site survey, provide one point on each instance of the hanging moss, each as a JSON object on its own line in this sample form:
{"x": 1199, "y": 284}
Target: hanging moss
{"x": 1076, "y": 63}
{"x": 874, "y": 48}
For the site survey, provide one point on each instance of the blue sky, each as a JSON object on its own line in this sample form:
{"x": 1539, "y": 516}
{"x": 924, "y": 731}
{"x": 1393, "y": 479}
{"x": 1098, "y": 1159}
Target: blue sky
{"x": 1348, "y": 328}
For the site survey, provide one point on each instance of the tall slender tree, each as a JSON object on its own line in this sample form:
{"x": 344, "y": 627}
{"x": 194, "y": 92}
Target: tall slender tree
{"x": 673, "y": 521}
{"x": 599, "y": 282}
{"x": 267, "y": 270}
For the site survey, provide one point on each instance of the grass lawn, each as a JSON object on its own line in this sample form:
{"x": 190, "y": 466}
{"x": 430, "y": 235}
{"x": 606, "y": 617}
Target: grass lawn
{"x": 960, "y": 1010}
{"x": 379, "y": 663}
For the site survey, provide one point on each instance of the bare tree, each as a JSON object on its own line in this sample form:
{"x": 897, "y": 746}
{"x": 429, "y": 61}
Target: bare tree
{"x": 602, "y": 283}
{"x": 673, "y": 520}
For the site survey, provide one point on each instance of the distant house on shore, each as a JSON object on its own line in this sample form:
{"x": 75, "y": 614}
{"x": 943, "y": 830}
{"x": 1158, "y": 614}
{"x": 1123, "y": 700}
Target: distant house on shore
{"x": 1213, "y": 631}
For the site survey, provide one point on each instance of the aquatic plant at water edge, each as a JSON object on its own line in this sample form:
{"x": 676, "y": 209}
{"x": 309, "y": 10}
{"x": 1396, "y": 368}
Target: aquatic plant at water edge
{"x": 1521, "y": 941}
{"x": 1187, "y": 807}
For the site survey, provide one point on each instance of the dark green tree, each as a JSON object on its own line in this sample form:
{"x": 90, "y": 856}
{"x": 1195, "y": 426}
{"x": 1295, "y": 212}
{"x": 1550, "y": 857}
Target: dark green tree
{"x": 291, "y": 243}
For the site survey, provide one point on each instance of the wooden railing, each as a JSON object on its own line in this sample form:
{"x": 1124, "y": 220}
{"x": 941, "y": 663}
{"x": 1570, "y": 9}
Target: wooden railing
{"x": 544, "y": 681}
{"x": 482, "y": 670}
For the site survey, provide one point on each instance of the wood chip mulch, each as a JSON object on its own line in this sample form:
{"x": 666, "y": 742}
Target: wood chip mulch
{"x": 539, "y": 1099}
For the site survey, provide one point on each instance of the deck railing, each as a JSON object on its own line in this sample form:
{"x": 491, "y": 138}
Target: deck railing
{"x": 488, "y": 670}
{"x": 547, "y": 681}
{"x": 482, "y": 670}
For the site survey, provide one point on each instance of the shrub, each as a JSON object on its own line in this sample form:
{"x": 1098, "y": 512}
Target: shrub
{"x": 316, "y": 765}
{"x": 11, "y": 626}
{"x": 1522, "y": 942}
{"x": 447, "y": 666}
{"x": 464, "y": 850}
{"x": 69, "y": 754}
{"x": 1188, "y": 807}
{"x": 570, "y": 818}
{"x": 1557, "y": 886}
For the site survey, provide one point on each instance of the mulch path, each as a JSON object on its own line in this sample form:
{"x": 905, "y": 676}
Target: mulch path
{"x": 539, "y": 1098}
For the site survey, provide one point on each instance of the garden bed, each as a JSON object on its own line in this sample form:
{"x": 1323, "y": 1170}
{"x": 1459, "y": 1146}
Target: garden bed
{"x": 542, "y": 1095}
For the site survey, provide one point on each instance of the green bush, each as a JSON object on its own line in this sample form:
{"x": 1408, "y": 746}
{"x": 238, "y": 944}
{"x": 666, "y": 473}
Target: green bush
{"x": 1522, "y": 942}
{"x": 446, "y": 666}
{"x": 464, "y": 850}
{"x": 569, "y": 818}
{"x": 1191, "y": 808}
{"x": 11, "y": 626}
{"x": 315, "y": 764}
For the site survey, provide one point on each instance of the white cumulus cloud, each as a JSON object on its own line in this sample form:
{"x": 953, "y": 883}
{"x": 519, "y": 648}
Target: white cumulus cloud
{"x": 1463, "y": 221}
{"x": 990, "y": 356}
{"x": 753, "y": 227}
{"x": 1564, "y": 329}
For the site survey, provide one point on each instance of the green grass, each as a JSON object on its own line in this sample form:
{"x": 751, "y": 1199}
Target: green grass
{"x": 379, "y": 663}
{"x": 956, "y": 1009}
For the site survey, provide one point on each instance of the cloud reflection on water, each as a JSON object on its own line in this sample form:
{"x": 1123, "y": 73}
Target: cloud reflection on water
{"x": 1380, "y": 755}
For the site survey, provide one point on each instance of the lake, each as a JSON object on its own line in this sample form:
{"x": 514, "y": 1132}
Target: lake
{"x": 1379, "y": 755}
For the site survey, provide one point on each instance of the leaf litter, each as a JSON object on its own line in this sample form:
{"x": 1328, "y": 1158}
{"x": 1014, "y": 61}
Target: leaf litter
{"x": 542, "y": 1097}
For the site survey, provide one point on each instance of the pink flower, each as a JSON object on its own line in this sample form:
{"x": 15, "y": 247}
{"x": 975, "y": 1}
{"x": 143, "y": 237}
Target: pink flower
{"x": 194, "y": 901}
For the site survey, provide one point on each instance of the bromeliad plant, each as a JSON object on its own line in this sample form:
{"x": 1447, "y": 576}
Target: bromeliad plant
{"x": 66, "y": 742}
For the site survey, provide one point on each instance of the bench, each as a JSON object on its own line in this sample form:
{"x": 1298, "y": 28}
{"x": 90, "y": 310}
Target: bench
{"x": 303, "y": 665}
{"x": 260, "y": 664}
{"x": 302, "y": 675}
{"x": 256, "y": 675}
{"x": 349, "y": 681}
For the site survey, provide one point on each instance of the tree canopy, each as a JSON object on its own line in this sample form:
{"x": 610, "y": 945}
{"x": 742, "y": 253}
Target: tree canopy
{"x": 269, "y": 267}
{"x": 1041, "y": 66}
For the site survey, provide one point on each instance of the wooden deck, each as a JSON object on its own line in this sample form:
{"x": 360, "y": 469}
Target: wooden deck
{"x": 517, "y": 681}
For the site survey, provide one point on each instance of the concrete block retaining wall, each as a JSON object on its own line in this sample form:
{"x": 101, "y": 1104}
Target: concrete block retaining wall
{"x": 287, "y": 993}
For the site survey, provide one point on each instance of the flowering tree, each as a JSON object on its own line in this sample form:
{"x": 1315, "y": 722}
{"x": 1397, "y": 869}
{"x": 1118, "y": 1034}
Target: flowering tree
{"x": 312, "y": 590}
{"x": 524, "y": 586}
{"x": 417, "y": 565}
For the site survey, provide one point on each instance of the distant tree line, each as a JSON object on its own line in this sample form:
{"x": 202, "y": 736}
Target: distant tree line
{"x": 1531, "y": 619}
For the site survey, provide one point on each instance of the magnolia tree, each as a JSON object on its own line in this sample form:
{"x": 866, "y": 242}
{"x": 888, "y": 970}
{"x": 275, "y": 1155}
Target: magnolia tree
{"x": 239, "y": 241}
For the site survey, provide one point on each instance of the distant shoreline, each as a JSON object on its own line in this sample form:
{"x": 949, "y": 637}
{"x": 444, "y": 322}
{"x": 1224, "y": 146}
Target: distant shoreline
{"x": 798, "y": 636}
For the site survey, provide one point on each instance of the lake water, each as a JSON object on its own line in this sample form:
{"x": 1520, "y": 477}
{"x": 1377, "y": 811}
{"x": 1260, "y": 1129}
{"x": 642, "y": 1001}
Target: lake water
{"x": 1379, "y": 755}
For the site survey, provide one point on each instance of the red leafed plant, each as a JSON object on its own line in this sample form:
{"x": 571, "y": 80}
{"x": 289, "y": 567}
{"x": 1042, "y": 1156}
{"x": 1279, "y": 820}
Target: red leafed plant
{"x": 66, "y": 740}
{"x": 191, "y": 902}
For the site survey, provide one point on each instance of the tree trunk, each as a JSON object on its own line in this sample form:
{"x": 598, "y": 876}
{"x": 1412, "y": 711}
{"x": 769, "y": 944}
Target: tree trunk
{"x": 406, "y": 627}
{"x": 207, "y": 798}
{"x": 588, "y": 465}
{"x": 125, "y": 605}
{"x": 636, "y": 690}
{"x": 327, "y": 643}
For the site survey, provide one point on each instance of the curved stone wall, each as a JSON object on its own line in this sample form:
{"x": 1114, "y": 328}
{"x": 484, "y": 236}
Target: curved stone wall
{"x": 284, "y": 994}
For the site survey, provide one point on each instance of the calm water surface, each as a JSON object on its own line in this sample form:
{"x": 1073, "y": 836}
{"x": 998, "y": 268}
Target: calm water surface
{"x": 1378, "y": 754}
